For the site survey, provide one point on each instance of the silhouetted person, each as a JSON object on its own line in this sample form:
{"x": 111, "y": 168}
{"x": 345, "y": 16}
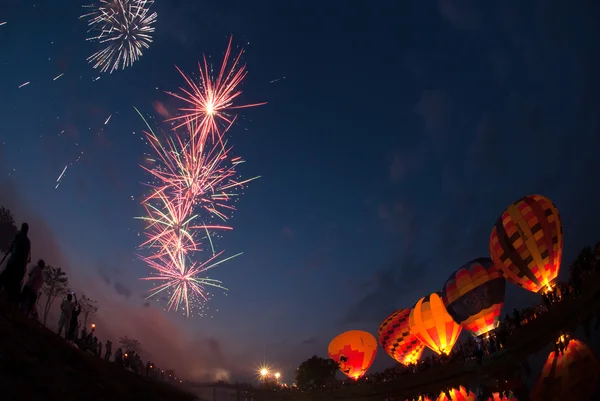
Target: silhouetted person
{"x": 32, "y": 288}
{"x": 108, "y": 350}
{"x": 100, "y": 349}
{"x": 66, "y": 308}
{"x": 74, "y": 322}
{"x": 19, "y": 254}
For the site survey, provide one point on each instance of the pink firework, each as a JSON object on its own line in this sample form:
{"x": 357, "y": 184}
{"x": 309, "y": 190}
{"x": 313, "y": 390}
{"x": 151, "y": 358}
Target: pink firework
{"x": 211, "y": 100}
{"x": 194, "y": 181}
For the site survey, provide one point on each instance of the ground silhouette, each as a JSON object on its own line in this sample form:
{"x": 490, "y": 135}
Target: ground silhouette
{"x": 36, "y": 364}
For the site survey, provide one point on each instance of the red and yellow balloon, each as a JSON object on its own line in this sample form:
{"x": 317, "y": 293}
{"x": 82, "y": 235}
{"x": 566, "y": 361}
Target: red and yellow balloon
{"x": 474, "y": 295}
{"x": 432, "y": 324}
{"x": 397, "y": 340}
{"x": 354, "y": 351}
{"x": 526, "y": 243}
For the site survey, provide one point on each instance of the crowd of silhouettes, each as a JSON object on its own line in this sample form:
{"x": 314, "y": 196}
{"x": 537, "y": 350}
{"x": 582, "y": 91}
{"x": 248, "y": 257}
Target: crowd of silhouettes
{"x": 21, "y": 293}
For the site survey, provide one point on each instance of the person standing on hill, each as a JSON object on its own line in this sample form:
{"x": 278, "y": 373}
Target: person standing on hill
{"x": 66, "y": 308}
{"x": 19, "y": 255}
{"x": 74, "y": 325}
{"x": 32, "y": 288}
{"x": 108, "y": 350}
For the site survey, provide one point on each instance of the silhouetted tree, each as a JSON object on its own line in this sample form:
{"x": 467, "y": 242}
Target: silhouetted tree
{"x": 315, "y": 371}
{"x": 8, "y": 229}
{"x": 130, "y": 344}
{"x": 89, "y": 308}
{"x": 56, "y": 284}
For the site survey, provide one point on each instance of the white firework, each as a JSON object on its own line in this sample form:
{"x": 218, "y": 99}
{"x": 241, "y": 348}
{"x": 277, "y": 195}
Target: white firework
{"x": 123, "y": 28}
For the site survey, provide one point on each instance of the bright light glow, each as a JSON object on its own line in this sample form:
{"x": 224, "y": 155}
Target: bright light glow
{"x": 264, "y": 372}
{"x": 277, "y": 375}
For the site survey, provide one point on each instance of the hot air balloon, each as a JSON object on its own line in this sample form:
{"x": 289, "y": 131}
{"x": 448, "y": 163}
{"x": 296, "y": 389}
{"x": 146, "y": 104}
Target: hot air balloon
{"x": 474, "y": 295}
{"x": 458, "y": 394}
{"x": 527, "y": 241}
{"x": 354, "y": 351}
{"x": 397, "y": 340}
{"x": 432, "y": 324}
{"x": 571, "y": 376}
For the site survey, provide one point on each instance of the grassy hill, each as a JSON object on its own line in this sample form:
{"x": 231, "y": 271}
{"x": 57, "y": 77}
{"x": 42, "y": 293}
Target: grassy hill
{"x": 35, "y": 364}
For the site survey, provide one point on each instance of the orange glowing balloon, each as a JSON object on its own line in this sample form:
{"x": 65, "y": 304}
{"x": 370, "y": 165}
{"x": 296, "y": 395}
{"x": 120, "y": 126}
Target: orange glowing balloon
{"x": 526, "y": 243}
{"x": 431, "y": 323}
{"x": 354, "y": 351}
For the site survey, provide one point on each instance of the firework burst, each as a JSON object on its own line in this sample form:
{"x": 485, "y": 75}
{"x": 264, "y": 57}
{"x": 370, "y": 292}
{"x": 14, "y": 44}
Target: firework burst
{"x": 194, "y": 183}
{"x": 211, "y": 100}
{"x": 123, "y": 28}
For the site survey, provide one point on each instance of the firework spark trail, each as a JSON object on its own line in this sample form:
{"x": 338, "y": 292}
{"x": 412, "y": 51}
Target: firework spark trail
{"x": 193, "y": 181}
{"x": 24, "y": 84}
{"x": 58, "y": 76}
{"x": 125, "y": 30}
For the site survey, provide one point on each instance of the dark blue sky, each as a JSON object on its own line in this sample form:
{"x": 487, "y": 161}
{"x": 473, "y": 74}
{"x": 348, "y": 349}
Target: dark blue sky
{"x": 394, "y": 136}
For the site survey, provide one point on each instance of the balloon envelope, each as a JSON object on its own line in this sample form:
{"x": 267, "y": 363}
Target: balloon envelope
{"x": 474, "y": 295}
{"x": 396, "y": 339}
{"x": 527, "y": 241}
{"x": 354, "y": 351}
{"x": 433, "y": 325}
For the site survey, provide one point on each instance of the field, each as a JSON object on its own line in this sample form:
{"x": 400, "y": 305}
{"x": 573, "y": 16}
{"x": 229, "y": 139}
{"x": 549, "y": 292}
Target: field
{"x": 35, "y": 364}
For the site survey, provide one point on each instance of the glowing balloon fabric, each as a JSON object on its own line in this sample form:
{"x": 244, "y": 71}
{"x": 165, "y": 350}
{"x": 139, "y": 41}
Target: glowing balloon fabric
{"x": 396, "y": 339}
{"x": 474, "y": 295}
{"x": 432, "y": 324}
{"x": 354, "y": 351}
{"x": 572, "y": 376}
{"x": 458, "y": 394}
{"x": 527, "y": 241}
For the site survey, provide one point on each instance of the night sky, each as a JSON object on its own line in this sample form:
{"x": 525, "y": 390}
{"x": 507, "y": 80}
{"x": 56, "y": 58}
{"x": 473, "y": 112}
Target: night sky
{"x": 394, "y": 135}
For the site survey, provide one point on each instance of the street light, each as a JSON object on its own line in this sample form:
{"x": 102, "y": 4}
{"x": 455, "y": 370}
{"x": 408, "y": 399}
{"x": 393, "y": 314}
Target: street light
{"x": 277, "y": 376}
{"x": 264, "y": 372}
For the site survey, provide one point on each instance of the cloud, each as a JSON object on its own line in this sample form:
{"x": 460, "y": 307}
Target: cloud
{"x": 435, "y": 108}
{"x": 462, "y": 14}
{"x": 399, "y": 218}
{"x": 310, "y": 341}
{"x": 287, "y": 232}
{"x": 122, "y": 290}
{"x": 403, "y": 164}
{"x": 388, "y": 289}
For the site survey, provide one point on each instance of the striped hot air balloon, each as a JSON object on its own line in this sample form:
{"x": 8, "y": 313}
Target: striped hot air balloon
{"x": 526, "y": 243}
{"x": 432, "y": 324}
{"x": 458, "y": 394}
{"x": 397, "y": 340}
{"x": 572, "y": 376}
{"x": 354, "y": 351}
{"x": 474, "y": 295}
